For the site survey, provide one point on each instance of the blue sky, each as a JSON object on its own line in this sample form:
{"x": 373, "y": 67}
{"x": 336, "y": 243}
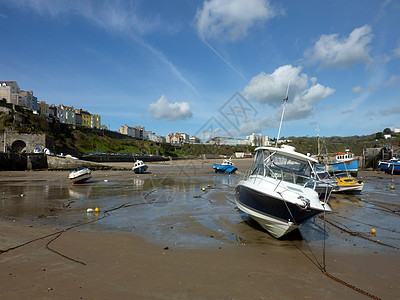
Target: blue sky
{"x": 217, "y": 66}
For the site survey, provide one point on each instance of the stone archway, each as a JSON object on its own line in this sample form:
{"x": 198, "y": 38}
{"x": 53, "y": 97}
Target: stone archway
{"x": 18, "y": 146}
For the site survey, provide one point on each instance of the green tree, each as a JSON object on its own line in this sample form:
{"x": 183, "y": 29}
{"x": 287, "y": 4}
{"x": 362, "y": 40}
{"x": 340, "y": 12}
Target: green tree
{"x": 387, "y": 131}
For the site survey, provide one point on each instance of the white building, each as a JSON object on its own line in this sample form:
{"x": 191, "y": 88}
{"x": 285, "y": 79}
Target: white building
{"x": 177, "y": 138}
{"x": 258, "y": 140}
{"x": 149, "y": 135}
{"x": 10, "y": 91}
{"x": 127, "y": 130}
{"x": 28, "y": 100}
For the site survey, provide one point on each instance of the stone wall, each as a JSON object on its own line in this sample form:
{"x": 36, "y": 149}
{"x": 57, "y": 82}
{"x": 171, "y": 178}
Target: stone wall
{"x": 24, "y": 142}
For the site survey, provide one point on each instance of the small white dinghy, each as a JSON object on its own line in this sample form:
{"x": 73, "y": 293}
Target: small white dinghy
{"x": 139, "y": 167}
{"x": 80, "y": 175}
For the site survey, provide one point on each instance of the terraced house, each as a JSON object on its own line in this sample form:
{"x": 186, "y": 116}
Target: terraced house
{"x": 13, "y": 95}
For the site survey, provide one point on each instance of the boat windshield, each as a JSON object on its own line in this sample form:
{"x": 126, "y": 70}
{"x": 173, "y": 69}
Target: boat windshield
{"x": 342, "y": 175}
{"x": 323, "y": 175}
{"x": 282, "y": 167}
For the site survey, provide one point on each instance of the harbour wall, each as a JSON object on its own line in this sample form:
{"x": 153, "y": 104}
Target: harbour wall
{"x": 22, "y": 162}
{"x": 40, "y": 161}
{"x": 104, "y": 158}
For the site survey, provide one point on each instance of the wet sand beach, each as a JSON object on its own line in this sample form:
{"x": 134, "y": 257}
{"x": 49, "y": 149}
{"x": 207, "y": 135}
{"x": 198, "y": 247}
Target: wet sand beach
{"x": 160, "y": 236}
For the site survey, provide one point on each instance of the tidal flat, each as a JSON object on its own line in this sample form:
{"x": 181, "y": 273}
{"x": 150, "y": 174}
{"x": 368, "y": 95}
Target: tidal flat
{"x": 176, "y": 233}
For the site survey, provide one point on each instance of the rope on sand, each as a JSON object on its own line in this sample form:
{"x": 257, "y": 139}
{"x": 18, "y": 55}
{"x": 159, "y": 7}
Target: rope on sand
{"x": 353, "y": 233}
{"x": 59, "y": 253}
{"x": 349, "y": 285}
{"x": 323, "y": 269}
{"x": 60, "y": 232}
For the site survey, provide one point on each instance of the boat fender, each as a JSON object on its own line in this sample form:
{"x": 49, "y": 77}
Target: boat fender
{"x": 89, "y": 210}
{"x": 305, "y": 202}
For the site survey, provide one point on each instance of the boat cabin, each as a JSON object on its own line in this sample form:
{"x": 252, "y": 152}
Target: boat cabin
{"x": 228, "y": 162}
{"x": 344, "y": 156}
{"x": 283, "y": 164}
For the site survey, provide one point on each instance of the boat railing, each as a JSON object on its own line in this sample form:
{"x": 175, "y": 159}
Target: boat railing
{"x": 246, "y": 174}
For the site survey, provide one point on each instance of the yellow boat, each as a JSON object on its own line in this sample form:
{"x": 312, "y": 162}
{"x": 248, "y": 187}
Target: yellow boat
{"x": 349, "y": 184}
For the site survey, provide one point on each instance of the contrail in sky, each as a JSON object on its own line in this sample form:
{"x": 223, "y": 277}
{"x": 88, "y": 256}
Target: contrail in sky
{"x": 224, "y": 60}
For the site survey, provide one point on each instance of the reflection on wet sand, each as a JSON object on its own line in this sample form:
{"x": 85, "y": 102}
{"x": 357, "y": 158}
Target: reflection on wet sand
{"x": 196, "y": 220}
{"x": 193, "y": 210}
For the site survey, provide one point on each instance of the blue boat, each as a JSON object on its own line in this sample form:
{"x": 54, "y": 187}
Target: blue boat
{"x": 139, "y": 167}
{"x": 391, "y": 166}
{"x": 227, "y": 167}
{"x": 344, "y": 162}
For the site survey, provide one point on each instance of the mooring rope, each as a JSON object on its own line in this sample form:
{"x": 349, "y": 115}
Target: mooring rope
{"x": 349, "y": 285}
{"x": 383, "y": 208}
{"x": 308, "y": 246}
{"x": 322, "y": 268}
{"x": 357, "y": 221}
{"x": 59, "y": 253}
{"x": 60, "y": 232}
{"x": 353, "y": 233}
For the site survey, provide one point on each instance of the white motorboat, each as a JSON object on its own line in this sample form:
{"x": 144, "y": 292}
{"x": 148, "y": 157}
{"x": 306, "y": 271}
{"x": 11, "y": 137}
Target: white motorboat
{"x": 279, "y": 192}
{"x": 139, "y": 167}
{"x": 80, "y": 175}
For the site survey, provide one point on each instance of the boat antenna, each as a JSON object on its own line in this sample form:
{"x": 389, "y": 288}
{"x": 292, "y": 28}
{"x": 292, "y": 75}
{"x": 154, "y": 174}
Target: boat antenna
{"x": 283, "y": 112}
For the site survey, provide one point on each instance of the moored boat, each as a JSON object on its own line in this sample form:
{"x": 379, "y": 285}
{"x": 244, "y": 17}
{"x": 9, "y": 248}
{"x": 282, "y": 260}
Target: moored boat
{"x": 139, "y": 167}
{"x": 325, "y": 184}
{"x": 348, "y": 184}
{"x": 344, "y": 162}
{"x": 80, "y": 175}
{"x": 391, "y": 166}
{"x": 279, "y": 192}
{"x": 227, "y": 166}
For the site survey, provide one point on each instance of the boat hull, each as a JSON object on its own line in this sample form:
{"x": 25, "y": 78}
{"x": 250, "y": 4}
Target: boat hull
{"x": 357, "y": 188}
{"x": 275, "y": 215}
{"x": 390, "y": 168}
{"x": 224, "y": 169}
{"x": 80, "y": 176}
{"x": 140, "y": 170}
{"x": 344, "y": 166}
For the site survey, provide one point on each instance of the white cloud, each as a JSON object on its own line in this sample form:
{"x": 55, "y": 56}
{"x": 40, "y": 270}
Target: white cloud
{"x": 357, "y": 89}
{"x": 231, "y": 19}
{"x": 170, "y": 111}
{"x": 393, "y": 81}
{"x": 334, "y": 51}
{"x": 393, "y": 111}
{"x": 119, "y": 16}
{"x": 271, "y": 88}
{"x": 303, "y": 104}
{"x": 396, "y": 52}
{"x": 256, "y": 125}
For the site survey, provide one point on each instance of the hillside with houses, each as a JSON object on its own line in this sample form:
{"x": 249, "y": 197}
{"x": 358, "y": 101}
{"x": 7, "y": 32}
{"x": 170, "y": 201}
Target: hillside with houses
{"x": 76, "y": 131}
{"x": 13, "y": 99}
